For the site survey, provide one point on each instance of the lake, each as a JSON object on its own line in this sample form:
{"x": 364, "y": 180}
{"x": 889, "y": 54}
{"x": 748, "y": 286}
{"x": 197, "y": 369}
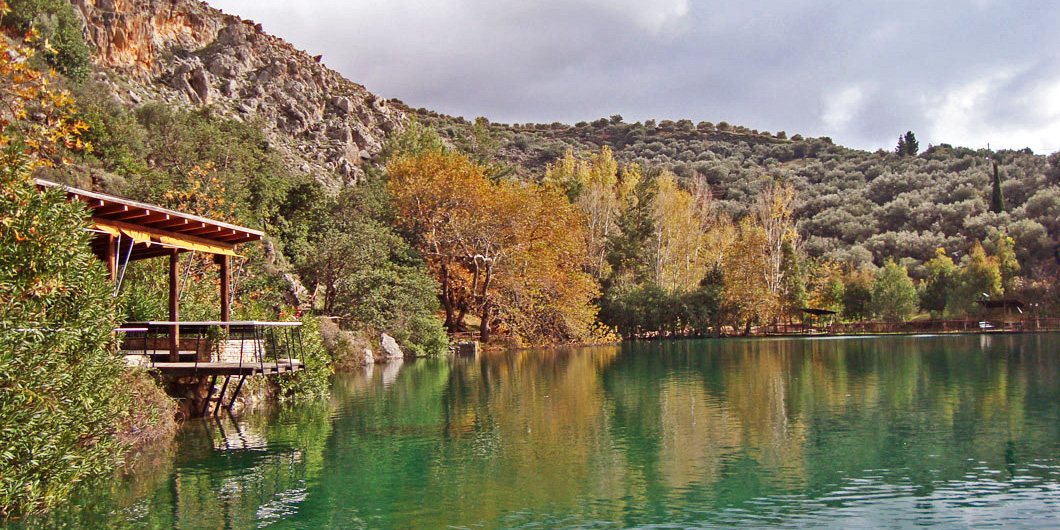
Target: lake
{"x": 864, "y": 432}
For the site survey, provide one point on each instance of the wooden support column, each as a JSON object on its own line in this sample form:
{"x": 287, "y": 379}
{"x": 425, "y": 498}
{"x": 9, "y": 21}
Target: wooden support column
{"x": 174, "y": 306}
{"x": 112, "y": 258}
{"x": 226, "y": 285}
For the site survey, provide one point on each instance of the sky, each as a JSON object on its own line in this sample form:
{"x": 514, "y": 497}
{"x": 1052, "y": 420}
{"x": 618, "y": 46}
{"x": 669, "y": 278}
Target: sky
{"x": 972, "y": 73}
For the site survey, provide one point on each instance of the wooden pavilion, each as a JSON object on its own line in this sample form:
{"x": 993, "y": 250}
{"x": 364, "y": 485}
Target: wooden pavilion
{"x": 127, "y": 231}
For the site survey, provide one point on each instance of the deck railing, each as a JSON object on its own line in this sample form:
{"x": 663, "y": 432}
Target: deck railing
{"x": 239, "y": 347}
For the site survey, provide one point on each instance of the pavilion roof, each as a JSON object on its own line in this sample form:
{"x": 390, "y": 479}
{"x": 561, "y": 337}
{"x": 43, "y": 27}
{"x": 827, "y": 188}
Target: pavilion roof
{"x": 154, "y": 230}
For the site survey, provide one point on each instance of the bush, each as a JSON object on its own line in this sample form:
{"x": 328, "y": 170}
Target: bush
{"x": 59, "y": 408}
{"x": 426, "y": 336}
{"x": 312, "y": 382}
{"x": 57, "y": 24}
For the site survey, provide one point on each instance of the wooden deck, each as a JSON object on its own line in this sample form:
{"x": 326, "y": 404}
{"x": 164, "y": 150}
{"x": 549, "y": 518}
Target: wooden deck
{"x": 218, "y": 353}
{"x": 228, "y": 369}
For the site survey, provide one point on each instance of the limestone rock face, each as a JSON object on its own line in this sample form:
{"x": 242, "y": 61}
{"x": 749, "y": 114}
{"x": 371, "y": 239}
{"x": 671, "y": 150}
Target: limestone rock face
{"x": 186, "y": 52}
{"x": 389, "y": 349}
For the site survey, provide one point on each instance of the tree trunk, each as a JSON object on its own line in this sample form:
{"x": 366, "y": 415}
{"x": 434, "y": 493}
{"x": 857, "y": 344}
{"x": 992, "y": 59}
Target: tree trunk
{"x": 484, "y": 332}
{"x": 447, "y": 302}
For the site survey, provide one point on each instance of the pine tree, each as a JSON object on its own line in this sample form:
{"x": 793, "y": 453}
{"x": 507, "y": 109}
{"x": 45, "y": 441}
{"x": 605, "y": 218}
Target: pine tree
{"x": 907, "y": 145}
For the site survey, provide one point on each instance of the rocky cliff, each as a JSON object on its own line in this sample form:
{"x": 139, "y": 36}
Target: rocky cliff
{"x": 186, "y": 52}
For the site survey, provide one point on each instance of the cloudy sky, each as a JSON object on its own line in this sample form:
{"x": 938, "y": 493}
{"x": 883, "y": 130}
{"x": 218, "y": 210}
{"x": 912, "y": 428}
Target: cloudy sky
{"x": 964, "y": 72}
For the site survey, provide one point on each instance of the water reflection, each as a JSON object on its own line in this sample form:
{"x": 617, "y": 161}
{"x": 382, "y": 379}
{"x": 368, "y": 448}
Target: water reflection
{"x": 873, "y": 432}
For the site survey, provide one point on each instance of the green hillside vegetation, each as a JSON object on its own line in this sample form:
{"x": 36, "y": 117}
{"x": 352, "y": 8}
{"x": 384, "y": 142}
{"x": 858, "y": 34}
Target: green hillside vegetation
{"x": 848, "y": 201}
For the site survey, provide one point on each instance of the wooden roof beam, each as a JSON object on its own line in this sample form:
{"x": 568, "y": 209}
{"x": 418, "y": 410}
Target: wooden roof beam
{"x": 135, "y": 213}
{"x": 109, "y": 209}
{"x": 154, "y": 218}
{"x": 176, "y": 223}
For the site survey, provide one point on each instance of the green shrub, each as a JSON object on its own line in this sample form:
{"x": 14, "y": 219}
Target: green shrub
{"x": 57, "y": 25}
{"x": 426, "y": 336}
{"x": 58, "y": 367}
{"x": 313, "y": 381}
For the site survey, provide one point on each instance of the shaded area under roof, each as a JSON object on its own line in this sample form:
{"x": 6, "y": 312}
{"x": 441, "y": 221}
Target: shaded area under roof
{"x": 818, "y": 312}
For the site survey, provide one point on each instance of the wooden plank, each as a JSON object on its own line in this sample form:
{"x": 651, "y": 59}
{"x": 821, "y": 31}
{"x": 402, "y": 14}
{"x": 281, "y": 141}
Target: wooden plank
{"x": 153, "y": 219}
{"x": 173, "y": 223}
{"x": 134, "y": 213}
{"x": 226, "y": 369}
{"x": 110, "y": 209}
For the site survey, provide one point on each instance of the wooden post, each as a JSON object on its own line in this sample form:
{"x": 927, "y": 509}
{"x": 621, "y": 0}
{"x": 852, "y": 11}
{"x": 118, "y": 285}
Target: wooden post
{"x": 112, "y": 259}
{"x": 226, "y": 285}
{"x": 174, "y": 307}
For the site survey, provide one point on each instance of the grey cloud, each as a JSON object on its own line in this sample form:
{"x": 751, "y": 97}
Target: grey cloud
{"x": 769, "y": 65}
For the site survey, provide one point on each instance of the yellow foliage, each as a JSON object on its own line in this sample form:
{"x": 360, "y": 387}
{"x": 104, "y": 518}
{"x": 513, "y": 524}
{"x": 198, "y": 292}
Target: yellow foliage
{"x": 35, "y": 116}
{"x": 513, "y": 252}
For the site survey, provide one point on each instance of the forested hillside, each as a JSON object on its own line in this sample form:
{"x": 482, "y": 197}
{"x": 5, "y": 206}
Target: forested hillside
{"x": 852, "y": 206}
{"x": 969, "y": 224}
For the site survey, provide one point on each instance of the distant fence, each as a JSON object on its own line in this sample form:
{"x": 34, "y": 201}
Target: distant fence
{"x": 917, "y": 326}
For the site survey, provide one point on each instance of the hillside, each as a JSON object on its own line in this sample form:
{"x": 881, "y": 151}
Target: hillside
{"x": 852, "y": 206}
{"x": 188, "y": 54}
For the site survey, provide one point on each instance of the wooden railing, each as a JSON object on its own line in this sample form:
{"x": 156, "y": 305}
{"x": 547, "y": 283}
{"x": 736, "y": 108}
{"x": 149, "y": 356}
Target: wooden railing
{"x": 241, "y": 346}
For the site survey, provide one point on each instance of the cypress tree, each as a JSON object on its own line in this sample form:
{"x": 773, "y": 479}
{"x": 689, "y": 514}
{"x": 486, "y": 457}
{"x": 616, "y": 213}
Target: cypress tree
{"x": 997, "y": 200}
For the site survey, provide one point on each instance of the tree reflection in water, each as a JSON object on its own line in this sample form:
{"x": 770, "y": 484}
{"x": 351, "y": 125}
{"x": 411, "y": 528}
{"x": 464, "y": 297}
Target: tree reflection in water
{"x": 736, "y": 432}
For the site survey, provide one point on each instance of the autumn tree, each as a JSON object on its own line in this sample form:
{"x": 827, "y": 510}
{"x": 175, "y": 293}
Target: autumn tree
{"x": 678, "y": 246}
{"x": 747, "y": 296}
{"x": 542, "y": 292}
{"x": 494, "y": 247}
{"x": 774, "y": 211}
{"x": 824, "y": 285}
{"x": 980, "y": 278}
{"x": 1007, "y": 264}
{"x": 433, "y": 191}
{"x": 602, "y": 192}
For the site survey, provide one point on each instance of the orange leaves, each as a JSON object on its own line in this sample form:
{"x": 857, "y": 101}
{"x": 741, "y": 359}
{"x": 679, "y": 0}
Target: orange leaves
{"x": 32, "y": 112}
{"x": 201, "y": 193}
{"x": 513, "y": 251}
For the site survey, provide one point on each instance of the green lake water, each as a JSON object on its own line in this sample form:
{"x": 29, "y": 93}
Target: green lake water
{"x": 867, "y": 432}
